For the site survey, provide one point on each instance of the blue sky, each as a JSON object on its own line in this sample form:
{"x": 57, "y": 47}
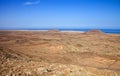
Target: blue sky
{"x": 77, "y": 14}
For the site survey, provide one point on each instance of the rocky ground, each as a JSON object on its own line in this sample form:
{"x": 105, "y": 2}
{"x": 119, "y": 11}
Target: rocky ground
{"x": 54, "y": 53}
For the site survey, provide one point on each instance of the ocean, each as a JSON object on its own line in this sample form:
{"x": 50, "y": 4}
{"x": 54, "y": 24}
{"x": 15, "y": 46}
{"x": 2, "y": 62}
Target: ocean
{"x": 108, "y": 31}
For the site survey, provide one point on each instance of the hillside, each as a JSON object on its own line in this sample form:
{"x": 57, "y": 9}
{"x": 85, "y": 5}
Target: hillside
{"x": 44, "y": 53}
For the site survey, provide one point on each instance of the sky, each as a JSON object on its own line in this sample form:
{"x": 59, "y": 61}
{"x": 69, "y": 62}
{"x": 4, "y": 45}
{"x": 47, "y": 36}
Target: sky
{"x": 55, "y": 14}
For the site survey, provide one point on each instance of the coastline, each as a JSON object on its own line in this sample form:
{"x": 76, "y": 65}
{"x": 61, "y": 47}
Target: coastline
{"x": 106, "y": 31}
{"x": 69, "y": 31}
{"x": 74, "y": 31}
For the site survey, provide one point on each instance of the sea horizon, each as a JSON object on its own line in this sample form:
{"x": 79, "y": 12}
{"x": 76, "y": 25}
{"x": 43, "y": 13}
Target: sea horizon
{"x": 108, "y": 31}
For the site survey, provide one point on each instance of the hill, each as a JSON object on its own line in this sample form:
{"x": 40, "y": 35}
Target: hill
{"x": 41, "y": 53}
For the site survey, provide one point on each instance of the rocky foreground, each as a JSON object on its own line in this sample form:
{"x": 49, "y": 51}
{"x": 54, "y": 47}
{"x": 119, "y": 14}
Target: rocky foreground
{"x": 51, "y": 53}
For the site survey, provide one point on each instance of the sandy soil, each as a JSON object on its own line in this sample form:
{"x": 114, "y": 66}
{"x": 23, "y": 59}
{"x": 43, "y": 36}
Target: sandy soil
{"x": 45, "y": 53}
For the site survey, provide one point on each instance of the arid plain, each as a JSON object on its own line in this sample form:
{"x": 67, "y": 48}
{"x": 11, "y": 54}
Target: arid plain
{"x": 55, "y": 53}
